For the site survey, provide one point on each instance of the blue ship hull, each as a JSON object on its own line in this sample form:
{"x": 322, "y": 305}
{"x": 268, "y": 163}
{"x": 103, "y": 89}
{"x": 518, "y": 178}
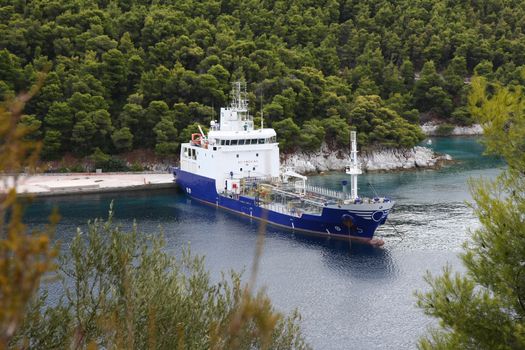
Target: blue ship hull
{"x": 332, "y": 222}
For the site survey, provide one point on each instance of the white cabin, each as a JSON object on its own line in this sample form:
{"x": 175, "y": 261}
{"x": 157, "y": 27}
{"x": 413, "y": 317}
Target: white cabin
{"x": 233, "y": 148}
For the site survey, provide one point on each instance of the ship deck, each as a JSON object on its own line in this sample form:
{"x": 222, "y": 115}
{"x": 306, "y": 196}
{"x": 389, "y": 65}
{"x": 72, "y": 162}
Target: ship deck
{"x": 293, "y": 198}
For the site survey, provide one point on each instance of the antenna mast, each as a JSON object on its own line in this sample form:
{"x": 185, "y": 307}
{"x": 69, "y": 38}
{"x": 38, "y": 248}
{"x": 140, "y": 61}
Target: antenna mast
{"x": 239, "y": 96}
{"x": 262, "y": 117}
{"x": 353, "y": 169}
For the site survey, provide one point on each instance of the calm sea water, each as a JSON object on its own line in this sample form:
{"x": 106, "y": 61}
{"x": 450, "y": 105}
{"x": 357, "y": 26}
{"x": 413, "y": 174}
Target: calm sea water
{"x": 350, "y": 296}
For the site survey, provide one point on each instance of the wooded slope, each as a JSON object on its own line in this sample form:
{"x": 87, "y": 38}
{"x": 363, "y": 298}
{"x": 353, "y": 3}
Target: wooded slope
{"x": 139, "y": 74}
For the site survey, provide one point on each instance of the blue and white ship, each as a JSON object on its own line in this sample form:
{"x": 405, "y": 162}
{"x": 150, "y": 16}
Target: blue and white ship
{"x": 236, "y": 167}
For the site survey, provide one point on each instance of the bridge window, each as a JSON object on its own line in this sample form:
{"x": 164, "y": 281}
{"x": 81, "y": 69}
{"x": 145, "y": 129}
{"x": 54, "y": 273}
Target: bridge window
{"x": 243, "y": 142}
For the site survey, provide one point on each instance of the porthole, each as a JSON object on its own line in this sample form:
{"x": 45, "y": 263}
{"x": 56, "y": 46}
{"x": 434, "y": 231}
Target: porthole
{"x": 237, "y": 156}
{"x": 257, "y": 154}
{"x": 241, "y": 169}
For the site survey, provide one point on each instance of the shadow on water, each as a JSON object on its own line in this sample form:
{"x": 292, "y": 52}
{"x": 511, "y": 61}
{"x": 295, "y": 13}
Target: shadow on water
{"x": 359, "y": 261}
{"x": 83, "y": 207}
{"x": 354, "y": 259}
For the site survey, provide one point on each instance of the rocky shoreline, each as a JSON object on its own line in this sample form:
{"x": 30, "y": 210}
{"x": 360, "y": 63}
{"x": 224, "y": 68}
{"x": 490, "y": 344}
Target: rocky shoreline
{"x": 432, "y": 129}
{"x": 307, "y": 163}
{"x": 385, "y": 159}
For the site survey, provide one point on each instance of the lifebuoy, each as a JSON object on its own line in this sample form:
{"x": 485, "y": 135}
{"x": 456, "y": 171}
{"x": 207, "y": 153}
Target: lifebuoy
{"x": 196, "y": 139}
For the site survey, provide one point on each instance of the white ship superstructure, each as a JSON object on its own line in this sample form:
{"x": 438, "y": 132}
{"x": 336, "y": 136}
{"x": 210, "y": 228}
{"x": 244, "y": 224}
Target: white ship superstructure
{"x": 233, "y": 148}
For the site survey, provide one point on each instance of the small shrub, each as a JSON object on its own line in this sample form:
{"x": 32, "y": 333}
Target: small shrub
{"x": 107, "y": 163}
{"x": 77, "y": 168}
{"x": 99, "y": 157}
{"x": 136, "y": 167}
{"x": 113, "y": 164}
{"x": 444, "y": 129}
{"x": 462, "y": 116}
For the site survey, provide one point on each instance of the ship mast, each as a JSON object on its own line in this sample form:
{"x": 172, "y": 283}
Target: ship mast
{"x": 236, "y": 117}
{"x": 239, "y": 97}
{"x": 353, "y": 169}
{"x": 262, "y": 117}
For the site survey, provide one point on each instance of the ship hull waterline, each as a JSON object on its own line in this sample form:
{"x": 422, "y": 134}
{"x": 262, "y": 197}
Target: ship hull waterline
{"x": 331, "y": 223}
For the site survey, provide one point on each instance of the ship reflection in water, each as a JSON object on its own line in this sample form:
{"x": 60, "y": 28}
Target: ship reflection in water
{"x": 350, "y": 258}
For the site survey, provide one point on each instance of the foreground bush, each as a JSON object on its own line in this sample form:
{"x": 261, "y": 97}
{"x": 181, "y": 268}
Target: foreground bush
{"x": 484, "y": 307}
{"x": 122, "y": 290}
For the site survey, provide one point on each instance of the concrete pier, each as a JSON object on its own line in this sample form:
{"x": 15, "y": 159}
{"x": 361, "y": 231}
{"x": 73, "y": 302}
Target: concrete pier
{"x": 60, "y": 184}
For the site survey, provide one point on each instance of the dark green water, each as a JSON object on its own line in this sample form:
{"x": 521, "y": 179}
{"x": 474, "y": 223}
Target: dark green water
{"x": 350, "y": 296}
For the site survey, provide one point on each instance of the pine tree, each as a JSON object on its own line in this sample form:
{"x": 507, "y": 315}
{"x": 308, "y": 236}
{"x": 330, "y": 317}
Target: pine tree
{"x": 485, "y": 307}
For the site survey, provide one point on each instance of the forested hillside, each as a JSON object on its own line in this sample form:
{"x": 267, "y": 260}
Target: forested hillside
{"x": 129, "y": 74}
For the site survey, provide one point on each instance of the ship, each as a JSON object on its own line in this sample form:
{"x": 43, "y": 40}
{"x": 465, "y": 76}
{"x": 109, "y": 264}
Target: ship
{"x": 236, "y": 166}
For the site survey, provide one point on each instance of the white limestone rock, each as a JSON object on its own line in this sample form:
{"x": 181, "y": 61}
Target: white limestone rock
{"x": 475, "y": 129}
{"x": 431, "y": 128}
{"x": 386, "y": 159}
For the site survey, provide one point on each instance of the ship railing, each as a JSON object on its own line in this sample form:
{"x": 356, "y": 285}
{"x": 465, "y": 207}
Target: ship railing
{"x": 327, "y": 192}
{"x": 249, "y": 180}
{"x": 319, "y": 196}
{"x": 366, "y": 200}
{"x": 259, "y": 179}
{"x": 282, "y": 209}
{"x": 307, "y": 199}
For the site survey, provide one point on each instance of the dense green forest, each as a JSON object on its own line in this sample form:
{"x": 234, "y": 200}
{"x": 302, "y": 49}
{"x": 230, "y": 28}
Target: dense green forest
{"x": 134, "y": 74}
